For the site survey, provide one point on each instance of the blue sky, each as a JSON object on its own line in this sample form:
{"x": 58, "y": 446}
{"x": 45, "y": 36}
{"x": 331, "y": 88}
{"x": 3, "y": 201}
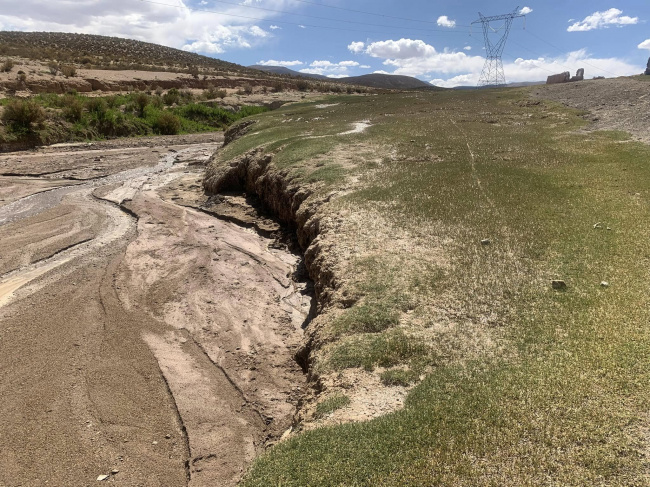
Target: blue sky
{"x": 429, "y": 40}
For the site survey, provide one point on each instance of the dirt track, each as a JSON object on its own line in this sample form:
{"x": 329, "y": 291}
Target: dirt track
{"x": 137, "y": 335}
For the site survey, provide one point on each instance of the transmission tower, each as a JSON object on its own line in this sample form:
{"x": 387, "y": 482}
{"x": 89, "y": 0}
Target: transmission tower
{"x": 492, "y": 73}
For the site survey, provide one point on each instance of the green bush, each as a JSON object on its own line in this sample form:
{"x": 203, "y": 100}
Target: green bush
{"x": 96, "y": 105}
{"x": 172, "y": 97}
{"x": 72, "y": 108}
{"x": 23, "y": 115}
{"x": 398, "y": 377}
{"x": 167, "y": 124}
{"x": 141, "y": 101}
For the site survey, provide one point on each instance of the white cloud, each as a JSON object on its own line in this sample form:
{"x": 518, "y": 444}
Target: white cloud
{"x": 539, "y": 69}
{"x": 330, "y": 69}
{"x": 444, "y": 21}
{"x": 468, "y": 48}
{"x": 645, "y": 44}
{"x": 356, "y": 47}
{"x": 273, "y": 62}
{"x": 602, "y": 20}
{"x": 274, "y": 27}
{"x": 178, "y": 27}
{"x": 526, "y": 11}
{"x": 302, "y": 26}
{"x": 401, "y": 49}
{"x": 365, "y": 66}
{"x": 414, "y": 57}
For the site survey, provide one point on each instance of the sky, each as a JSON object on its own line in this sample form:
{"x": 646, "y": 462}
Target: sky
{"x": 433, "y": 41}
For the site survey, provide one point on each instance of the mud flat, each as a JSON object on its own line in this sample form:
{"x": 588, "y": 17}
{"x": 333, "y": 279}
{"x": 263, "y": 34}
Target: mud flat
{"x": 140, "y": 339}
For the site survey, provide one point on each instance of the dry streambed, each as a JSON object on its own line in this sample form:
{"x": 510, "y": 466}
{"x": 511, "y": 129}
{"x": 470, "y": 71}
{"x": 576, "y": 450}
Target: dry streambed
{"x": 139, "y": 339}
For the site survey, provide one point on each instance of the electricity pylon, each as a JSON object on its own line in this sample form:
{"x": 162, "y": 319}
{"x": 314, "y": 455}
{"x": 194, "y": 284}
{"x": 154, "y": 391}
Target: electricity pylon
{"x": 492, "y": 73}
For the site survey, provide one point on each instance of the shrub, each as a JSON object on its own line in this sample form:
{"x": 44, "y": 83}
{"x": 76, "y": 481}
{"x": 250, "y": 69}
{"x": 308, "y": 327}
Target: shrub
{"x": 248, "y": 89}
{"x": 7, "y": 66}
{"x": 96, "y": 105}
{"x": 159, "y": 91}
{"x": 23, "y": 114}
{"x": 171, "y": 97}
{"x": 141, "y": 101}
{"x": 302, "y": 85}
{"x": 53, "y": 67}
{"x": 186, "y": 96}
{"x": 221, "y": 94}
{"x": 72, "y": 108}
{"x": 277, "y": 87}
{"x": 167, "y": 124}
{"x": 194, "y": 71}
{"x": 68, "y": 71}
{"x": 22, "y": 76}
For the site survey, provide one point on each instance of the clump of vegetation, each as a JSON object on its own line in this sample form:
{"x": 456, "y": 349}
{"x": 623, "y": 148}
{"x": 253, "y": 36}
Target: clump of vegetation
{"x": 302, "y": 85}
{"x": 331, "y": 404}
{"x": 7, "y": 65}
{"x": 398, "y": 377}
{"x": 74, "y": 117}
{"x": 167, "y": 124}
{"x": 73, "y": 108}
{"x": 23, "y": 116}
{"x": 68, "y": 71}
{"x": 53, "y": 67}
{"x": 172, "y": 97}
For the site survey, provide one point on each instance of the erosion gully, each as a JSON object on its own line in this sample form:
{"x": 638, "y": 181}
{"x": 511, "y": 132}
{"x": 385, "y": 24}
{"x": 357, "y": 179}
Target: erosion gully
{"x": 142, "y": 341}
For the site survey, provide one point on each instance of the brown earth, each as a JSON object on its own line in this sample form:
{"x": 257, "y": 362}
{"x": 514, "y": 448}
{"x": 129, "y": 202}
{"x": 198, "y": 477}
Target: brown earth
{"x": 613, "y": 104}
{"x": 138, "y": 336}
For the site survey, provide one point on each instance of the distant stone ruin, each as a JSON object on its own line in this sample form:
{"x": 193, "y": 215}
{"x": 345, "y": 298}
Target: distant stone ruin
{"x": 565, "y": 77}
{"x": 647, "y": 69}
{"x": 580, "y": 75}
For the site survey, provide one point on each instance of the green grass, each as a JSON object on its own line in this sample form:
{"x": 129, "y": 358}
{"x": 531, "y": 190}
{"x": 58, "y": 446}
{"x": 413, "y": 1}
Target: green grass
{"x": 331, "y": 404}
{"x": 526, "y": 386}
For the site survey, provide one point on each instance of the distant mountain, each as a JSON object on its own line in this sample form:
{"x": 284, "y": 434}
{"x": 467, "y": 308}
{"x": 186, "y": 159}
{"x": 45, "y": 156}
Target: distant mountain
{"x": 386, "y": 81}
{"x": 287, "y": 71}
{"x": 376, "y": 80}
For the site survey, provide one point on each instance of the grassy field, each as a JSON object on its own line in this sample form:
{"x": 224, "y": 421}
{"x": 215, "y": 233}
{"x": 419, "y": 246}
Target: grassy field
{"x": 515, "y": 383}
{"x": 50, "y": 118}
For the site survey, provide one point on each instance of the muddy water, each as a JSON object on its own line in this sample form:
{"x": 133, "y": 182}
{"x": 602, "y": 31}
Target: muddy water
{"x": 207, "y": 310}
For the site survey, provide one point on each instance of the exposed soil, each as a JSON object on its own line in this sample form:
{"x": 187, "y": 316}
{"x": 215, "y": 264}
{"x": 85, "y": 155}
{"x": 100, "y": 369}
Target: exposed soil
{"x": 140, "y": 338}
{"x": 613, "y": 104}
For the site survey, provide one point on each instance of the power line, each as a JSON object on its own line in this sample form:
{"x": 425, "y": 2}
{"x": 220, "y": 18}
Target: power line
{"x": 291, "y": 13}
{"x": 562, "y": 51}
{"x": 372, "y": 13}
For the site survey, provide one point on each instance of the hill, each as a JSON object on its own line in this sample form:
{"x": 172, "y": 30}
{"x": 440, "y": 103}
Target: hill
{"x": 107, "y": 52}
{"x": 281, "y": 70}
{"x": 374, "y": 80}
{"x": 386, "y": 81}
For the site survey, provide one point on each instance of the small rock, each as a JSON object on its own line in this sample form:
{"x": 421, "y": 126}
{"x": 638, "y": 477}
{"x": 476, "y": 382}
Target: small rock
{"x": 102, "y": 477}
{"x": 604, "y": 284}
{"x": 168, "y": 436}
{"x": 598, "y": 225}
{"x": 485, "y": 241}
{"x": 154, "y": 442}
{"x": 115, "y": 471}
{"x": 558, "y": 284}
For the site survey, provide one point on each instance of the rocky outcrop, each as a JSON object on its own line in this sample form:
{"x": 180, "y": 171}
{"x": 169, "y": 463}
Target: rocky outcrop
{"x": 558, "y": 78}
